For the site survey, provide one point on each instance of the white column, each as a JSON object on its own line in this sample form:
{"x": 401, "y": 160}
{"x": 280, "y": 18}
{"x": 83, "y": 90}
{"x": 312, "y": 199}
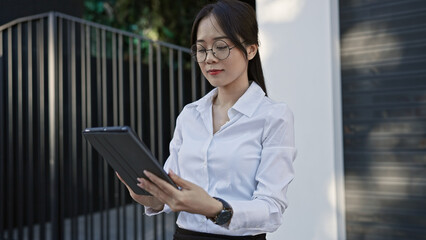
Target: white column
{"x": 299, "y": 49}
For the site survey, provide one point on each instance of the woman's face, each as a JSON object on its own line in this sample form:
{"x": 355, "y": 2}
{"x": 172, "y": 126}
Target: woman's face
{"x": 226, "y": 73}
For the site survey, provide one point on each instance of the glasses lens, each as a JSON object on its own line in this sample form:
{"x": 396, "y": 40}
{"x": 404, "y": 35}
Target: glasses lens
{"x": 221, "y": 49}
{"x": 198, "y": 52}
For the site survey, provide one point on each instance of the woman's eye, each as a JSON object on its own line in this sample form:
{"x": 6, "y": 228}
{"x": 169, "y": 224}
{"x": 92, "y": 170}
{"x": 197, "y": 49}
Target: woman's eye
{"x": 221, "y": 48}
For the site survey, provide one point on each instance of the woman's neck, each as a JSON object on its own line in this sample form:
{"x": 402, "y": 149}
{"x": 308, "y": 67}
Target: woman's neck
{"x": 227, "y": 96}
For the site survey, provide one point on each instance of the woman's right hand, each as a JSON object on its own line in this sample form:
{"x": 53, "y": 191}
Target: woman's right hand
{"x": 148, "y": 201}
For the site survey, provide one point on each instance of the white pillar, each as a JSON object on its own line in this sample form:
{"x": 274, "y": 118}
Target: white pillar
{"x": 299, "y": 49}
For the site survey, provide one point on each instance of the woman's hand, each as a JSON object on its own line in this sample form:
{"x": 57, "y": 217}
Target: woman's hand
{"x": 190, "y": 198}
{"x": 148, "y": 201}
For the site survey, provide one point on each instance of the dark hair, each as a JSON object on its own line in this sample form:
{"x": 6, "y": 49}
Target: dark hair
{"x": 238, "y": 20}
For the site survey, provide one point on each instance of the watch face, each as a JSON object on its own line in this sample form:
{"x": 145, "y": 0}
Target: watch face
{"x": 224, "y": 217}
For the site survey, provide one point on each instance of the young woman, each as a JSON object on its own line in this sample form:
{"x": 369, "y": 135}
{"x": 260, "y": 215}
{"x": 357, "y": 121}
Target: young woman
{"x": 232, "y": 151}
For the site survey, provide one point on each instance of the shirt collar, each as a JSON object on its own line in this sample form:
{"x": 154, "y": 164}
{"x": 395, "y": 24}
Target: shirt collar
{"x": 246, "y": 104}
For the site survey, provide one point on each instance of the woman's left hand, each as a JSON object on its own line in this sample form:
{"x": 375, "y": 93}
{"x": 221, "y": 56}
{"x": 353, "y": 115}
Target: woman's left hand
{"x": 190, "y": 198}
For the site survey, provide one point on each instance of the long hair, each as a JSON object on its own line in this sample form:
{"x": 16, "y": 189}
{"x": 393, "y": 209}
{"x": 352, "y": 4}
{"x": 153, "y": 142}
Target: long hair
{"x": 238, "y": 20}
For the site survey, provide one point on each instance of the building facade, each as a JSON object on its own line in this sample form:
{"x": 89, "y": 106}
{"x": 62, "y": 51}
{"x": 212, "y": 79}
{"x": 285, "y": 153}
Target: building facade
{"x": 353, "y": 73}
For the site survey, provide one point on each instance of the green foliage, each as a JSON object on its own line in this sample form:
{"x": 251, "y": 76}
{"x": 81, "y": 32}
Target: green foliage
{"x": 164, "y": 20}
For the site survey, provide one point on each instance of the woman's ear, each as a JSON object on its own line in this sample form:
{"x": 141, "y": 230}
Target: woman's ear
{"x": 251, "y": 51}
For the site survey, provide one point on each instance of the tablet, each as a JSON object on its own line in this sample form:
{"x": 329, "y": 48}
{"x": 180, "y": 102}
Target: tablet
{"x": 126, "y": 154}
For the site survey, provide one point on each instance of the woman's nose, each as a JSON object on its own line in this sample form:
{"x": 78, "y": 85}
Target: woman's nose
{"x": 210, "y": 58}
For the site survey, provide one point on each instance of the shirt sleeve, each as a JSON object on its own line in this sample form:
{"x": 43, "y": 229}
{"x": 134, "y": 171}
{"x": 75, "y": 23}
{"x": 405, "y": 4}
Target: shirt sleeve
{"x": 171, "y": 163}
{"x": 275, "y": 172}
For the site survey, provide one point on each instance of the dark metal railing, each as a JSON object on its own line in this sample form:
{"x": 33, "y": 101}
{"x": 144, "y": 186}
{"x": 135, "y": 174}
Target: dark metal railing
{"x": 58, "y": 75}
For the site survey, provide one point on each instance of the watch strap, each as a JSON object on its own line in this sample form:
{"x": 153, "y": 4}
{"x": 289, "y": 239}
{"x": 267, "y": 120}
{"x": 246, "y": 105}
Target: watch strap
{"x": 227, "y": 209}
{"x": 225, "y": 204}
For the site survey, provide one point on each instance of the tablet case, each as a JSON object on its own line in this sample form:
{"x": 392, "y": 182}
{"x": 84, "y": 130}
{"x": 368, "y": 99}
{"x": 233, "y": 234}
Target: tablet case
{"x": 126, "y": 154}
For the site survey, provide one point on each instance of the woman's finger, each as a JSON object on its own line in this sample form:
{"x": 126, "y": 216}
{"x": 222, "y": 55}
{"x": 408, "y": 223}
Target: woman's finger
{"x": 179, "y": 181}
{"x": 119, "y": 177}
{"x": 161, "y": 184}
{"x": 153, "y": 189}
{"x": 132, "y": 194}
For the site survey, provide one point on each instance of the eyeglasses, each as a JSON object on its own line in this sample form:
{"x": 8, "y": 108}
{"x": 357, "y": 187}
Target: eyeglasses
{"x": 220, "y": 50}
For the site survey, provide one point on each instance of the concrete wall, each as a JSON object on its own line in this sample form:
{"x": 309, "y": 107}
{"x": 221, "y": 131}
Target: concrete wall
{"x": 299, "y": 50}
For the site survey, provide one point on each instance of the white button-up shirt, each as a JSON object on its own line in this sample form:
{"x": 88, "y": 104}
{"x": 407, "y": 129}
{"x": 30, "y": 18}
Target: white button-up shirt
{"x": 248, "y": 162}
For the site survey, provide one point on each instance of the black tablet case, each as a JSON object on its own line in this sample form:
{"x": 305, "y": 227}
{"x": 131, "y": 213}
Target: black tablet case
{"x": 126, "y": 154}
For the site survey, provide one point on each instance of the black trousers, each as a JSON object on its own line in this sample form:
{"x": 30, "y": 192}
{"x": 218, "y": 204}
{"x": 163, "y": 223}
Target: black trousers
{"x": 183, "y": 234}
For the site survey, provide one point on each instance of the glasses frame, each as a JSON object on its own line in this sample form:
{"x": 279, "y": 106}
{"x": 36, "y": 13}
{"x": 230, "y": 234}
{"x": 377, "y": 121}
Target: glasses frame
{"x": 194, "y": 53}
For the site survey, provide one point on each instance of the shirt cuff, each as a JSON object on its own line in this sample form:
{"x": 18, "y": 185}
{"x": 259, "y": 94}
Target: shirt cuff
{"x": 151, "y": 212}
{"x": 254, "y": 215}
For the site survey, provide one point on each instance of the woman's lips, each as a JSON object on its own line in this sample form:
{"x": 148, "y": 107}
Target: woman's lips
{"x": 214, "y": 71}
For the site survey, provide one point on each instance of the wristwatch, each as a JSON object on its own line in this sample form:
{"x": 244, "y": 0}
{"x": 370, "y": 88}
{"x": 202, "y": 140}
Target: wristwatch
{"x": 225, "y": 215}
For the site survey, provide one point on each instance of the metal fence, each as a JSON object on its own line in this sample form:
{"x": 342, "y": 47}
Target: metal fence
{"x": 58, "y": 75}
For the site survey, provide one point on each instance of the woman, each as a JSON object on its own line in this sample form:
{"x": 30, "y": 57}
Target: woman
{"x": 232, "y": 150}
